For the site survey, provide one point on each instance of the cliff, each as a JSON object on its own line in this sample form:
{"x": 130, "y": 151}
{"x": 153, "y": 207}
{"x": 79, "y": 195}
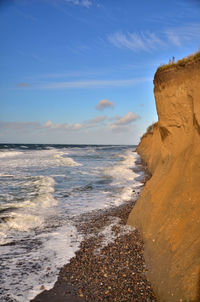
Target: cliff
{"x": 168, "y": 209}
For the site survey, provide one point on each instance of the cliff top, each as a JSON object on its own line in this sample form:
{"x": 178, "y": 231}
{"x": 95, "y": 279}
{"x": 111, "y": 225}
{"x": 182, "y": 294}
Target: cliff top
{"x": 179, "y": 65}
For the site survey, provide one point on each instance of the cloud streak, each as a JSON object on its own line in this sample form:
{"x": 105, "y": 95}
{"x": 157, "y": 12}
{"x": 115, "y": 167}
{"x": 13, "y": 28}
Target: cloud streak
{"x": 183, "y": 34}
{"x": 89, "y": 84}
{"x": 136, "y": 42}
{"x": 150, "y": 41}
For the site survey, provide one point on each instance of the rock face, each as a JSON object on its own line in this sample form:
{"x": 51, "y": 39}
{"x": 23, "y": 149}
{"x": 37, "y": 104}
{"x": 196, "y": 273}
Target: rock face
{"x": 168, "y": 210}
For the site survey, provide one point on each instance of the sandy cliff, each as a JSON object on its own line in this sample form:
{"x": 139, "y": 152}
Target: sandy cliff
{"x": 168, "y": 210}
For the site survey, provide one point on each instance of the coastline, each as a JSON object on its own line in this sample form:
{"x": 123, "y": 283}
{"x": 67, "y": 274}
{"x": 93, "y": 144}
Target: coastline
{"x": 111, "y": 270}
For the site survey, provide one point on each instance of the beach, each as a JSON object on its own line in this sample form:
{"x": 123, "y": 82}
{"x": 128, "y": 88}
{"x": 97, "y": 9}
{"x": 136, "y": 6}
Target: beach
{"x": 109, "y": 265}
{"x": 68, "y": 204}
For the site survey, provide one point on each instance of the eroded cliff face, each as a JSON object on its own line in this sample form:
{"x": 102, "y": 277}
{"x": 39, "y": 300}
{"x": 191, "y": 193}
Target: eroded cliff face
{"x": 168, "y": 210}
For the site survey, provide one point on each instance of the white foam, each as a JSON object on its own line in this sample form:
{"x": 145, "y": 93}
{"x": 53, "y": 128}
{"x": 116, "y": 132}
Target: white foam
{"x": 27, "y": 272}
{"x": 31, "y": 213}
{"x": 41, "y": 193}
{"x": 22, "y": 222}
{"x": 123, "y": 178}
{"x": 122, "y": 171}
{"x": 66, "y": 161}
{"x": 9, "y": 153}
{"x": 45, "y": 189}
{"x": 109, "y": 236}
{"x": 25, "y": 159}
{"x": 6, "y": 175}
{"x": 125, "y": 195}
{"x": 58, "y": 175}
{"x": 118, "y": 190}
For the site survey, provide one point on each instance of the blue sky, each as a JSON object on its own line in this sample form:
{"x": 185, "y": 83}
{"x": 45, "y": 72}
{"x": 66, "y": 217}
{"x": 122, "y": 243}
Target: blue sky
{"x": 81, "y": 71}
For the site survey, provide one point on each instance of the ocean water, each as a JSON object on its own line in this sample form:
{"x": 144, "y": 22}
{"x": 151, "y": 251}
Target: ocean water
{"x": 43, "y": 188}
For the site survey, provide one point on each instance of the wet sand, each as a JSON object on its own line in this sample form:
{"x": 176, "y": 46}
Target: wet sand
{"x": 103, "y": 271}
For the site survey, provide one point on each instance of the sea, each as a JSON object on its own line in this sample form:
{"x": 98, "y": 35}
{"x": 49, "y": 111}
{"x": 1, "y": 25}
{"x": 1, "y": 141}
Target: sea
{"x": 43, "y": 189}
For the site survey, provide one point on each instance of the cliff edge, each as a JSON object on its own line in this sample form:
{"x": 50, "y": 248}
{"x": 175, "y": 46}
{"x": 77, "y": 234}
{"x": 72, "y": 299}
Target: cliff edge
{"x": 168, "y": 209}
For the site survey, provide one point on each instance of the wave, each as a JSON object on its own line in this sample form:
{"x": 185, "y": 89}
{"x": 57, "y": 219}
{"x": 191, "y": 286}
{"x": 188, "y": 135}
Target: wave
{"x": 124, "y": 179}
{"x": 66, "y": 161}
{"x": 30, "y": 213}
{"x": 53, "y": 249}
{"x": 6, "y": 175}
{"x": 22, "y": 221}
{"x": 9, "y": 153}
{"x": 122, "y": 170}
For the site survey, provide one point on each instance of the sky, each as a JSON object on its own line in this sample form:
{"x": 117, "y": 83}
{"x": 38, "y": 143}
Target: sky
{"x": 81, "y": 71}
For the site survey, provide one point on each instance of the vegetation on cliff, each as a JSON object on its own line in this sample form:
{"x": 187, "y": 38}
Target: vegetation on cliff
{"x": 180, "y": 63}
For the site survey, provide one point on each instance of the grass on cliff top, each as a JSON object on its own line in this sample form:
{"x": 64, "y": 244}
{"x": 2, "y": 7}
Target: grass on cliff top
{"x": 181, "y": 62}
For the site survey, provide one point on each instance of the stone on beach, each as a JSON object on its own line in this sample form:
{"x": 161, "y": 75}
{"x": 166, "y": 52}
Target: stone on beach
{"x": 104, "y": 272}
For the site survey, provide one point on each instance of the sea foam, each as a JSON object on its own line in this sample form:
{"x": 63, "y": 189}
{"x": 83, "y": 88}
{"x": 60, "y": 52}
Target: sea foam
{"x": 42, "y": 190}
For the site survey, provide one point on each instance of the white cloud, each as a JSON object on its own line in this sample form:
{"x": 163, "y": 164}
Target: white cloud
{"x": 64, "y": 126}
{"x": 123, "y": 123}
{"x": 96, "y": 130}
{"x": 51, "y": 126}
{"x": 104, "y": 104}
{"x": 150, "y": 41}
{"x": 85, "y": 3}
{"x": 97, "y": 119}
{"x": 76, "y": 126}
{"x": 119, "y": 124}
{"x": 95, "y": 122}
{"x": 127, "y": 118}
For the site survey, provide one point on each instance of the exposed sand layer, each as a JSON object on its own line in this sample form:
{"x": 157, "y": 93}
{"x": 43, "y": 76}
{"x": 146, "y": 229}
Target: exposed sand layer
{"x": 109, "y": 265}
{"x": 168, "y": 210}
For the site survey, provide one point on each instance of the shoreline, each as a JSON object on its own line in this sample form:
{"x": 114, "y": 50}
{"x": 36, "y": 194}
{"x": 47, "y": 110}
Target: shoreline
{"x": 109, "y": 266}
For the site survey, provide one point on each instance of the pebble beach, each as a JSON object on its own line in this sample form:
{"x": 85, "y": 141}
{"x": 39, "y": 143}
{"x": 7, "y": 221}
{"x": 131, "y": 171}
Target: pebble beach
{"x": 105, "y": 268}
